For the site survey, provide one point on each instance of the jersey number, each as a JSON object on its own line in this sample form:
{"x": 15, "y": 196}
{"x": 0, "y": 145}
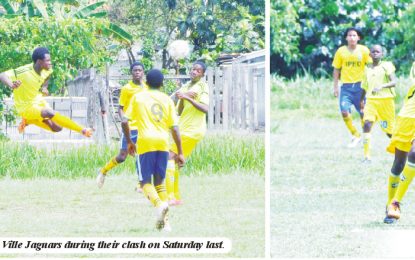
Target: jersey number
{"x": 157, "y": 111}
{"x": 413, "y": 92}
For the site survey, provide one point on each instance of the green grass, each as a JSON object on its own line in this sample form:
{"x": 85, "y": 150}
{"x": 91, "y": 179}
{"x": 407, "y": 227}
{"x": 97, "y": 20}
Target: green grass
{"x": 215, "y": 154}
{"x": 324, "y": 201}
{"x": 45, "y": 207}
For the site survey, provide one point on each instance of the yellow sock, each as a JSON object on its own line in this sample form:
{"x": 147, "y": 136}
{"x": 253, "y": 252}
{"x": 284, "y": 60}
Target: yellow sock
{"x": 393, "y": 182}
{"x": 406, "y": 179}
{"x": 366, "y": 144}
{"x": 111, "y": 164}
{"x": 38, "y": 123}
{"x": 66, "y": 122}
{"x": 151, "y": 193}
{"x": 349, "y": 123}
{"x": 176, "y": 184}
{"x": 171, "y": 166}
{"x": 161, "y": 191}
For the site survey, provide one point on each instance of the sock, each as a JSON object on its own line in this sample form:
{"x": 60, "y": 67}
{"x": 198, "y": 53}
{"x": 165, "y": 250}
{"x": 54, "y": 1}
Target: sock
{"x": 38, "y": 123}
{"x": 176, "y": 184}
{"x": 406, "y": 179}
{"x": 393, "y": 182}
{"x": 366, "y": 144}
{"x": 170, "y": 179}
{"x": 151, "y": 193}
{"x": 111, "y": 164}
{"x": 66, "y": 122}
{"x": 161, "y": 191}
{"x": 349, "y": 123}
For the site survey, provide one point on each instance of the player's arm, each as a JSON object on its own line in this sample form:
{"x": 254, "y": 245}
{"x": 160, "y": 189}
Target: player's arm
{"x": 336, "y": 76}
{"x": 44, "y": 88}
{"x": 8, "y": 82}
{"x": 126, "y": 129}
{"x": 390, "y": 84}
{"x": 178, "y": 141}
{"x": 121, "y": 111}
{"x": 199, "y": 106}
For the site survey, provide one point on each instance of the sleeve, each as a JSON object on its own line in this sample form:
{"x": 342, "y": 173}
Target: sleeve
{"x": 337, "y": 61}
{"x": 366, "y": 55}
{"x": 390, "y": 68}
{"x": 365, "y": 85}
{"x": 204, "y": 95}
{"x": 172, "y": 118}
{"x": 131, "y": 108}
{"x": 11, "y": 74}
{"x": 123, "y": 97}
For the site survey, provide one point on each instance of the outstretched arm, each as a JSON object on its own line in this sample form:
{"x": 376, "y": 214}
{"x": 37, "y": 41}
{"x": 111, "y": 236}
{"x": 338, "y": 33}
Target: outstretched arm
{"x": 177, "y": 139}
{"x": 8, "y": 82}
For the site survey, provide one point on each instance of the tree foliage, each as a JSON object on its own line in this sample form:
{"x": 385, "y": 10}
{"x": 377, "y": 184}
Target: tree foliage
{"x": 307, "y": 33}
{"x": 212, "y": 27}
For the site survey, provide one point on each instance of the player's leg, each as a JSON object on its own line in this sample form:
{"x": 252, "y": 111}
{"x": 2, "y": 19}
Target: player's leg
{"x": 170, "y": 171}
{"x": 402, "y": 145}
{"x": 370, "y": 116}
{"x": 148, "y": 166}
{"x": 64, "y": 121}
{"x": 159, "y": 176}
{"x": 120, "y": 158}
{"x": 345, "y": 102}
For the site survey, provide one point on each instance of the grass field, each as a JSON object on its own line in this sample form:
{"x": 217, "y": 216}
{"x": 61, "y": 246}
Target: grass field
{"x": 43, "y": 205}
{"x": 324, "y": 201}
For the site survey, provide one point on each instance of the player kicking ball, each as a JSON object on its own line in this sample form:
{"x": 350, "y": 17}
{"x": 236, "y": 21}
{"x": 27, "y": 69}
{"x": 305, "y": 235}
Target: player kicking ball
{"x": 26, "y": 83}
{"x": 154, "y": 115}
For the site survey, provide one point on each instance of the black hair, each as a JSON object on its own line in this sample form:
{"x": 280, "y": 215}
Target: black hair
{"x": 202, "y": 64}
{"x": 353, "y": 29}
{"x": 136, "y": 63}
{"x": 155, "y": 78}
{"x": 39, "y": 53}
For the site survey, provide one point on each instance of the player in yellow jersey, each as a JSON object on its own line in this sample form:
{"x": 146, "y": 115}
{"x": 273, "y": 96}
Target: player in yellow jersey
{"x": 27, "y": 81}
{"x": 403, "y": 146}
{"x": 133, "y": 87}
{"x": 349, "y": 63}
{"x": 154, "y": 115}
{"x": 192, "y": 107}
{"x": 378, "y": 86}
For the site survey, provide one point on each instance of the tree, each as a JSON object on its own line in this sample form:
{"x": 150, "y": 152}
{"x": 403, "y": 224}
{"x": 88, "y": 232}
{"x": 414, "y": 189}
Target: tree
{"x": 323, "y": 23}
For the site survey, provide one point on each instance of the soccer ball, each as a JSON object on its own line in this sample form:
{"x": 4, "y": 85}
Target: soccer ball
{"x": 179, "y": 49}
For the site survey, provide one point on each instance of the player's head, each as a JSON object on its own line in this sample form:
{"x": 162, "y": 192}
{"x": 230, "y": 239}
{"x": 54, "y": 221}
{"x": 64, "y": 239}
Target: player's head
{"x": 198, "y": 70}
{"x": 41, "y": 57}
{"x": 352, "y": 36}
{"x": 155, "y": 79}
{"x": 137, "y": 70}
{"x": 376, "y": 52}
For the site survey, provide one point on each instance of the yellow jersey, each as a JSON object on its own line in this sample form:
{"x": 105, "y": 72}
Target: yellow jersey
{"x": 376, "y": 76}
{"x": 28, "y": 93}
{"x": 127, "y": 92}
{"x": 408, "y": 109}
{"x": 192, "y": 122}
{"x": 351, "y": 63}
{"x": 154, "y": 114}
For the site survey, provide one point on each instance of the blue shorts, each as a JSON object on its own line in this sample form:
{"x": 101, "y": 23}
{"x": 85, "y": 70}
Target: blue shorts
{"x": 350, "y": 94}
{"x": 133, "y": 136}
{"x": 152, "y": 163}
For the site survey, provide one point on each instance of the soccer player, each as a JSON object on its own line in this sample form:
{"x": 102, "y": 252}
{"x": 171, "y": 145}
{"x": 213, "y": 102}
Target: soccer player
{"x": 349, "y": 63}
{"x": 379, "y": 89}
{"x": 403, "y": 146}
{"x": 26, "y": 82}
{"x": 154, "y": 115}
{"x": 134, "y": 86}
{"x": 192, "y": 107}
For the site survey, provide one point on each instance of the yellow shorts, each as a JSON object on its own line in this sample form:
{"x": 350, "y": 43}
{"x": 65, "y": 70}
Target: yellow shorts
{"x": 403, "y": 135}
{"x": 382, "y": 110}
{"x": 34, "y": 111}
{"x": 188, "y": 144}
